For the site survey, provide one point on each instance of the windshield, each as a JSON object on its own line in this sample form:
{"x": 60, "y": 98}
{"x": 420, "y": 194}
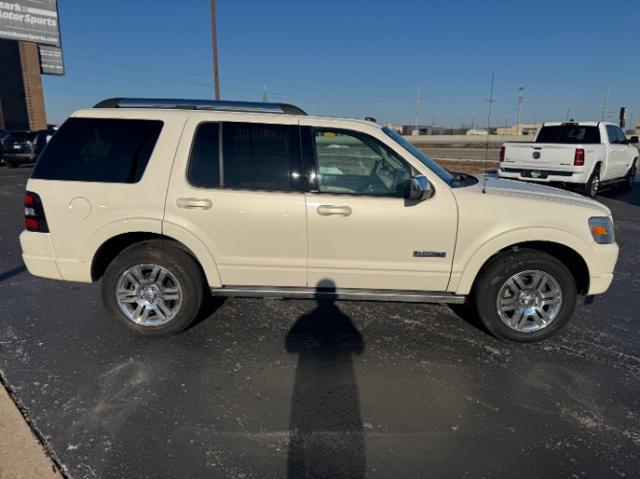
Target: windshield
{"x": 443, "y": 174}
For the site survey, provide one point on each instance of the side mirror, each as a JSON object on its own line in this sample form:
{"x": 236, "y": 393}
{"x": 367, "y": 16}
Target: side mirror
{"x": 633, "y": 140}
{"x": 420, "y": 189}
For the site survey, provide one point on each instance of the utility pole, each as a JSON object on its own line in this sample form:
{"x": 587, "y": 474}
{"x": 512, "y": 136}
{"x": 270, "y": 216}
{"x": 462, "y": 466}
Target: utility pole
{"x": 520, "y": 100}
{"x": 568, "y": 113}
{"x": 605, "y": 106}
{"x": 214, "y": 44}
{"x": 416, "y": 130}
{"x": 265, "y": 99}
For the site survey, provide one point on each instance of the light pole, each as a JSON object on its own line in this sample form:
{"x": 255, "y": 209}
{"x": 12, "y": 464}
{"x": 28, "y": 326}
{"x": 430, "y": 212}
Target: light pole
{"x": 520, "y": 100}
{"x": 214, "y": 43}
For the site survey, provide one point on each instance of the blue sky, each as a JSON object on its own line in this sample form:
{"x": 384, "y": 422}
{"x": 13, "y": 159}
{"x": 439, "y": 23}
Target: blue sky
{"x": 360, "y": 57}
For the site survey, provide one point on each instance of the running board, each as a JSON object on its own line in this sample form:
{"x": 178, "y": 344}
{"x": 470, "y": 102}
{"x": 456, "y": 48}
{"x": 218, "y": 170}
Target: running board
{"x": 390, "y": 295}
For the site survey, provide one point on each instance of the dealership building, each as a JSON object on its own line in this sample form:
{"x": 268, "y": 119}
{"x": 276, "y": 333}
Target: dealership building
{"x": 29, "y": 47}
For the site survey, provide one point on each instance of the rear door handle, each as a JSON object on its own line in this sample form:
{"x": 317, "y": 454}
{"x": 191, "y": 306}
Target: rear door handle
{"x": 332, "y": 210}
{"x": 194, "y": 203}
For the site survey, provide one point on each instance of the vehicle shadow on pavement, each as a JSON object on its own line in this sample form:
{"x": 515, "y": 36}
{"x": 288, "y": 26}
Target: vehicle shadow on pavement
{"x": 326, "y": 436}
{"x": 628, "y": 196}
{"x": 12, "y": 272}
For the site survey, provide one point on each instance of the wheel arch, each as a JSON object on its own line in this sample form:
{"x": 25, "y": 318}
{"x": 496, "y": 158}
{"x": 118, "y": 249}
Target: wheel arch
{"x": 114, "y": 245}
{"x": 567, "y": 250}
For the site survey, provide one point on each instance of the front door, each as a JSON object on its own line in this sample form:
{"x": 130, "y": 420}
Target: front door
{"x": 237, "y": 188}
{"x": 363, "y": 233}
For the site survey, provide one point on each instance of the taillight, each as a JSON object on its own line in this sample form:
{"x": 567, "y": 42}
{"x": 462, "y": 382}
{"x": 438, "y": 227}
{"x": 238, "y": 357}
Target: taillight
{"x": 34, "y": 219}
{"x": 502, "y": 153}
{"x": 578, "y": 159}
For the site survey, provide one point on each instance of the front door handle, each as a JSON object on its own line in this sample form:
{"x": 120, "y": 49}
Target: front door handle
{"x": 194, "y": 203}
{"x": 332, "y": 210}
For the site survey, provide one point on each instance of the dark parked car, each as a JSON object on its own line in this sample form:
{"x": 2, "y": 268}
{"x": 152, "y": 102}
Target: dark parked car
{"x": 3, "y": 133}
{"x": 21, "y": 147}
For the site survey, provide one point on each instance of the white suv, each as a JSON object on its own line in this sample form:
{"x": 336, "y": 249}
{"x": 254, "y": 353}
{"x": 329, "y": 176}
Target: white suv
{"x": 168, "y": 200}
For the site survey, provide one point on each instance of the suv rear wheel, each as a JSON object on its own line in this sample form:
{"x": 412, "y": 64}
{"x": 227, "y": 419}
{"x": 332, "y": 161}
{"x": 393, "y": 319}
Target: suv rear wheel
{"x": 154, "y": 288}
{"x": 525, "y": 295}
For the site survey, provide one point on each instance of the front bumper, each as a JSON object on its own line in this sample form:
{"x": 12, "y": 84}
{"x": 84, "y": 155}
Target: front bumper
{"x": 19, "y": 157}
{"x": 601, "y": 270}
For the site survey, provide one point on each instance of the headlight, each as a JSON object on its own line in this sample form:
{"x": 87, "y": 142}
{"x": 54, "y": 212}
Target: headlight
{"x": 602, "y": 230}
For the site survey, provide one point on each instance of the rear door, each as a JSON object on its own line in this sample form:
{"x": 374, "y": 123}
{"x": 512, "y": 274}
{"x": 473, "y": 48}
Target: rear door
{"x": 236, "y": 187}
{"x": 616, "y": 151}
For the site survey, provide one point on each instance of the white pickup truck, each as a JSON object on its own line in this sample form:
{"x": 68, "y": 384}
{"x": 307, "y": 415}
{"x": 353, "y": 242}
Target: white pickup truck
{"x": 580, "y": 155}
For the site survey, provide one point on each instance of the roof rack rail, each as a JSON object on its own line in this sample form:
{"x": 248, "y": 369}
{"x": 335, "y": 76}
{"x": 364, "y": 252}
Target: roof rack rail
{"x": 217, "y": 105}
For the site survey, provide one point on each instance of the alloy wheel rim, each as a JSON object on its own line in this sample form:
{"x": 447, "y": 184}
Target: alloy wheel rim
{"x": 529, "y": 301}
{"x": 148, "y": 295}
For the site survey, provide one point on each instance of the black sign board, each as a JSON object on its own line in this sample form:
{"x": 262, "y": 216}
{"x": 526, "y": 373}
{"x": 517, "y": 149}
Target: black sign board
{"x": 51, "y": 62}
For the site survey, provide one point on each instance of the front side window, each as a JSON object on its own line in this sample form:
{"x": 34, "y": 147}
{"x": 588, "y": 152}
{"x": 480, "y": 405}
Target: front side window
{"x": 355, "y": 163}
{"x": 612, "y": 134}
{"x": 99, "y": 150}
{"x": 261, "y": 156}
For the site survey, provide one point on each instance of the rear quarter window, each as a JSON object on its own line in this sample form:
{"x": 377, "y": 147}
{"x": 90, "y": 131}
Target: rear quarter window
{"x": 99, "y": 150}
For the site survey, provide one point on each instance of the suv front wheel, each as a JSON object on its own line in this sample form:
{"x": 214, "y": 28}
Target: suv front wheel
{"x": 154, "y": 288}
{"x": 525, "y": 295}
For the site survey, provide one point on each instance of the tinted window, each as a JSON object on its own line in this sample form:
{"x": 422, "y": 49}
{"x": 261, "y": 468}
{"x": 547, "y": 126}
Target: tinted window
{"x": 204, "y": 165}
{"x": 622, "y": 138}
{"x": 261, "y": 156}
{"x": 22, "y": 136}
{"x": 101, "y": 150}
{"x": 612, "y": 134}
{"x": 352, "y": 162}
{"x": 569, "y": 134}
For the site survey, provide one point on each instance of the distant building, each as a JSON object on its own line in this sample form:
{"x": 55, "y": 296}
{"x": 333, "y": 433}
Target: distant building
{"x": 525, "y": 130}
{"x": 410, "y": 130}
{"x": 637, "y": 126}
{"x": 477, "y": 132}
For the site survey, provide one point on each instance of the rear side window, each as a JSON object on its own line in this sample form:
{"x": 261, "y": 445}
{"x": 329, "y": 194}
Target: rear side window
{"x": 569, "y": 134}
{"x": 99, "y": 150}
{"x": 261, "y": 156}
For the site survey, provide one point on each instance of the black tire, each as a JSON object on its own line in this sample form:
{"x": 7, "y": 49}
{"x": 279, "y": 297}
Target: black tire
{"x": 178, "y": 263}
{"x": 592, "y": 187}
{"x": 10, "y": 164}
{"x": 631, "y": 177}
{"x": 503, "y": 267}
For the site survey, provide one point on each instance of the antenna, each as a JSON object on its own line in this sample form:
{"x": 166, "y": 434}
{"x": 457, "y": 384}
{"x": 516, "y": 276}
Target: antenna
{"x": 486, "y": 145}
{"x": 520, "y": 100}
{"x": 605, "y": 106}
{"x": 416, "y": 131}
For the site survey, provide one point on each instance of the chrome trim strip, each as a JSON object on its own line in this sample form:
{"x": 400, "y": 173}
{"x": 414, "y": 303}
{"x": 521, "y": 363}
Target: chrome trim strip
{"x": 340, "y": 294}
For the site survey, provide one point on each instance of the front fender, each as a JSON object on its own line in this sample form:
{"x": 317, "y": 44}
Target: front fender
{"x": 467, "y": 266}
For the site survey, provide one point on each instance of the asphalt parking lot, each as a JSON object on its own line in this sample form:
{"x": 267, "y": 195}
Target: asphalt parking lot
{"x": 270, "y": 388}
